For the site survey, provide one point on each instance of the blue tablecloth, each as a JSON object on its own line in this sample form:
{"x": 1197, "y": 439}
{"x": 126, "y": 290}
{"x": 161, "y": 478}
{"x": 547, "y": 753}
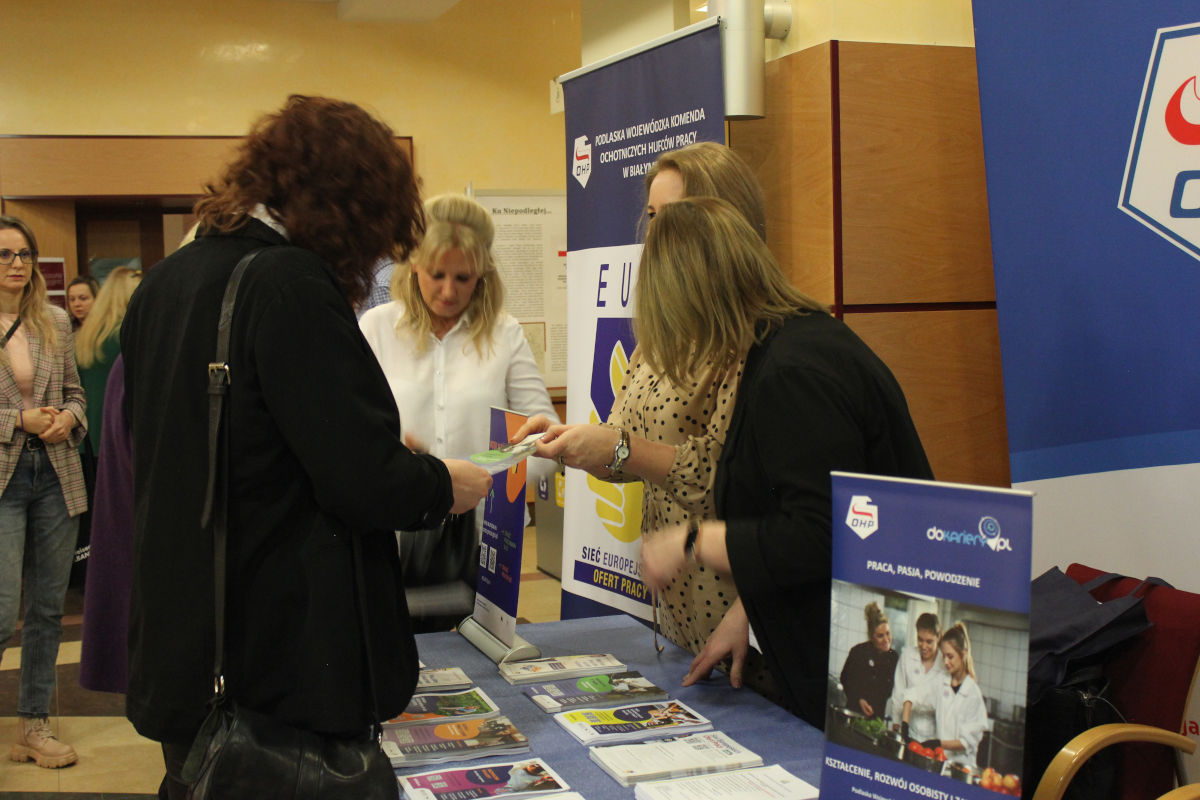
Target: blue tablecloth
{"x": 758, "y": 724}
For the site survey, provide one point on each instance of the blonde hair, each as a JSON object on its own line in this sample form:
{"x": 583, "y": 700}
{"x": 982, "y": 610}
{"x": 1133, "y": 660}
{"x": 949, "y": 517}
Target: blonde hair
{"x": 708, "y": 169}
{"x": 106, "y": 315}
{"x": 875, "y": 617}
{"x": 958, "y": 639}
{"x": 707, "y": 289}
{"x": 452, "y": 222}
{"x": 33, "y": 309}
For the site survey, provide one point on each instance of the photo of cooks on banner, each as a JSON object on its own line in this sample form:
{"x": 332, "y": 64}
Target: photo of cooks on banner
{"x": 929, "y": 639}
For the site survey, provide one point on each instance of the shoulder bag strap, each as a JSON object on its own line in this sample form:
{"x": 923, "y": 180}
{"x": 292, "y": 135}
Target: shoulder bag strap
{"x": 216, "y": 498}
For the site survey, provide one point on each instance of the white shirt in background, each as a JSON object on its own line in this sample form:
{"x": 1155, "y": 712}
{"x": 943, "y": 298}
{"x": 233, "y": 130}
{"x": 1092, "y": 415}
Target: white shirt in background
{"x": 445, "y": 394}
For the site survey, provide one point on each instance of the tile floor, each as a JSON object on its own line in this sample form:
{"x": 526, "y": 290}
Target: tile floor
{"x": 115, "y": 763}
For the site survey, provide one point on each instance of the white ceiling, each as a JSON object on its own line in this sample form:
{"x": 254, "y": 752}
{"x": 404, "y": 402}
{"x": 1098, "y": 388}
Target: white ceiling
{"x": 389, "y": 10}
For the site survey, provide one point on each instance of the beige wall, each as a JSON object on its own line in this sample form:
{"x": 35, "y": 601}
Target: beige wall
{"x": 471, "y": 88}
{"x": 944, "y": 22}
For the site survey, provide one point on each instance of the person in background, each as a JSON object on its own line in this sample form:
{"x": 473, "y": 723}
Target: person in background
{"x": 381, "y": 286}
{"x": 675, "y": 431}
{"x": 81, "y": 293}
{"x": 813, "y": 398}
{"x": 42, "y": 492}
{"x": 317, "y": 467}
{"x": 959, "y": 708}
{"x": 450, "y": 353}
{"x": 919, "y": 669}
{"x": 97, "y": 345}
{"x": 870, "y": 668}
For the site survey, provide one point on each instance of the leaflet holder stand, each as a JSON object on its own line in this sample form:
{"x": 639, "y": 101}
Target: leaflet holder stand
{"x": 487, "y": 643}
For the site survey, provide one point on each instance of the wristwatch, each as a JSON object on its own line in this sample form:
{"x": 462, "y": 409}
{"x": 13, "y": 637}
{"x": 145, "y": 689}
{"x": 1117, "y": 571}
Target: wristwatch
{"x": 620, "y": 452}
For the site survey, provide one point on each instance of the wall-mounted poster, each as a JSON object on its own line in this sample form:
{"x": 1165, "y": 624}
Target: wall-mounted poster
{"x": 531, "y": 254}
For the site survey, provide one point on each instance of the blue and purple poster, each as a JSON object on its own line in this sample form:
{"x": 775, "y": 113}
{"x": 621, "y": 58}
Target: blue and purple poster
{"x": 498, "y": 586}
{"x": 929, "y": 640}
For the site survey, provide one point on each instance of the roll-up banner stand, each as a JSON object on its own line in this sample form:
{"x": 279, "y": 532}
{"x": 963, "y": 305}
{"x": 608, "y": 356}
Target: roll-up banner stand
{"x": 621, "y": 114}
{"x": 1090, "y": 137}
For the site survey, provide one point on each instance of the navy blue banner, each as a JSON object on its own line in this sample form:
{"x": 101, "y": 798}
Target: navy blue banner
{"x": 621, "y": 117}
{"x": 1093, "y": 173}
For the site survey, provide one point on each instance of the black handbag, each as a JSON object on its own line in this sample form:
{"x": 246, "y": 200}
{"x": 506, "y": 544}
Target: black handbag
{"x": 239, "y": 753}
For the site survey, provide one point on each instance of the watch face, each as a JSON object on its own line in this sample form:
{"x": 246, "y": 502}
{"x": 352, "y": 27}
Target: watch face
{"x": 623, "y": 452}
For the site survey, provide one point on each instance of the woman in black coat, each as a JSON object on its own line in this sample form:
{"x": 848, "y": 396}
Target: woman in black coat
{"x": 315, "y": 454}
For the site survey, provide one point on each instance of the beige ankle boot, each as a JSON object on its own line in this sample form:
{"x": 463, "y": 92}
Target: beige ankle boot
{"x": 35, "y": 741}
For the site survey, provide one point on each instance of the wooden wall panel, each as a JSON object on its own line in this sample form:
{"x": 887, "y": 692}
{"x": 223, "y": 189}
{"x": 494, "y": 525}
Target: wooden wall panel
{"x": 791, "y": 151}
{"x": 913, "y": 194}
{"x": 53, "y": 223}
{"x": 949, "y": 365}
{"x": 108, "y": 166}
{"x": 96, "y": 166}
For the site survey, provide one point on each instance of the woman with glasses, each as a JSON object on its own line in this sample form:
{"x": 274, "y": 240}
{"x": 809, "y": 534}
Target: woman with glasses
{"x": 41, "y": 483}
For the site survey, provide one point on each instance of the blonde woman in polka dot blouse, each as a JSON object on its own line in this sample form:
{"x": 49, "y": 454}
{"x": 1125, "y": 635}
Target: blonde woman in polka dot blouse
{"x": 676, "y": 431}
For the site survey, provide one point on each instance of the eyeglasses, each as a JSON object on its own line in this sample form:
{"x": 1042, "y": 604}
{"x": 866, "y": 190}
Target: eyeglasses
{"x": 7, "y": 257}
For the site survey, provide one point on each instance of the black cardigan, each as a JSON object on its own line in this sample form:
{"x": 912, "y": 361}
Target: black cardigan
{"x": 813, "y": 399}
{"x": 316, "y": 457}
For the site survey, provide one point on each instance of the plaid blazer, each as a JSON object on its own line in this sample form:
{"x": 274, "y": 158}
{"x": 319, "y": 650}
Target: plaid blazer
{"x": 56, "y": 384}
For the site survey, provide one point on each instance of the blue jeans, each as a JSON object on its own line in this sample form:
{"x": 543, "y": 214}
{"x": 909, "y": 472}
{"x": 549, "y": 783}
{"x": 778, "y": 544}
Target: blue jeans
{"x": 36, "y": 535}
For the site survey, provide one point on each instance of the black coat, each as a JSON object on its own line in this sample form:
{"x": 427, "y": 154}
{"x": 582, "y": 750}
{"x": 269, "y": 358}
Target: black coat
{"x": 813, "y": 399}
{"x": 316, "y": 458}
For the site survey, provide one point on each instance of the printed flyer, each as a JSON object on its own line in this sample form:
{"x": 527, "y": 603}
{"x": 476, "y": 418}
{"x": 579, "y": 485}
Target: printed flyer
{"x": 929, "y": 640}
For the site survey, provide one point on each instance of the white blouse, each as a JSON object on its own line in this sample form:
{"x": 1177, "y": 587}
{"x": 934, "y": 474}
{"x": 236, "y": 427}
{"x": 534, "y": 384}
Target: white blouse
{"x": 444, "y": 394}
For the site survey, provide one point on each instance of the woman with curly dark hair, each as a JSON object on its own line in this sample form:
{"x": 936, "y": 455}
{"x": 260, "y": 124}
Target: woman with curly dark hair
{"x": 315, "y": 456}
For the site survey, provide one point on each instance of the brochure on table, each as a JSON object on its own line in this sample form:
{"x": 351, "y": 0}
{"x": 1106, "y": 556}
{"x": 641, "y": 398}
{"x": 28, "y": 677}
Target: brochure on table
{"x": 499, "y": 582}
{"x": 962, "y": 553}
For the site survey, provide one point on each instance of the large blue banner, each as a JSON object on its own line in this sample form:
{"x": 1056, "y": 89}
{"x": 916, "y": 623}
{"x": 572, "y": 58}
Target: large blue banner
{"x": 912, "y": 560}
{"x": 620, "y": 117}
{"x": 1093, "y": 168}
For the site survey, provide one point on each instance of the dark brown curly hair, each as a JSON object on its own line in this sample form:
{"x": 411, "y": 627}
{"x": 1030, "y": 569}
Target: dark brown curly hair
{"x": 334, "y": 177}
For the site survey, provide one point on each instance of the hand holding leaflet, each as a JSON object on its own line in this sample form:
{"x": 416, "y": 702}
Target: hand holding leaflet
{"x": 507, "y": 456}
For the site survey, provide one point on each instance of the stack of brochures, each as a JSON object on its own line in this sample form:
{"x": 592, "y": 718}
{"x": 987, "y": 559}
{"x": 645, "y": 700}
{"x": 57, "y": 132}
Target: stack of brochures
{"x": 442, "y": 679}
{"x": 438, "y": 742}
{"x": 676, "y": 757}
{"x": 465, "y": 704}
{"x": 531, "y": 777}
{"x": 743, "y": 784}
{"x": 595, "y": 691}
{"x": 633, "y": 722}
{"x": 558, "y": 667}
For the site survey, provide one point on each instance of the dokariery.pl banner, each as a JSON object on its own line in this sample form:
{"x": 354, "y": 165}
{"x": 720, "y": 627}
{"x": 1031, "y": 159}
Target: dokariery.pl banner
{"x": 620, "y": 117}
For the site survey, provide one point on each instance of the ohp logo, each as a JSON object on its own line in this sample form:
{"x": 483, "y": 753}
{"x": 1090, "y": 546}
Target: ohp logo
{"x": 581, "y": 160}
{"x": 1162, "y": 176}
{"x": 863, "y": 516}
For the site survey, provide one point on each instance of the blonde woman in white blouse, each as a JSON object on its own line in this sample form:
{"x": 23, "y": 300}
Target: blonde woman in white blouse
{"x": 447, "y": 347}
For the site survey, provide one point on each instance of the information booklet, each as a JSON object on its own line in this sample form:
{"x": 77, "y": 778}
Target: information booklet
{"x": 442, "y": 679}
{"x": 929, "y": 625}
{"x": 595, "y": 691}
{"x": 631, "y": 723}
{"x": 559, "y": 667}
{"x": 675, "y": 757}
{"x": 773, "y": 782}
{"x": 471, "y": 703}
{"x": 436, "y": 743}
{"x": 512, "y": 779}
